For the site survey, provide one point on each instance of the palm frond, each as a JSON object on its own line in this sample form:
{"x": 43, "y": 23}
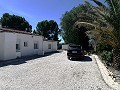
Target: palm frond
{"x": 100, "y": 4}
{"x": 105, "y": 19}
{"x": 103, "y": 11}
{"x": 114, "y": 6}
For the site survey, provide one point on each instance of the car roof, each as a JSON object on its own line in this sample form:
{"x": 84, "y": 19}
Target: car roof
{"x": 73, "y": 45}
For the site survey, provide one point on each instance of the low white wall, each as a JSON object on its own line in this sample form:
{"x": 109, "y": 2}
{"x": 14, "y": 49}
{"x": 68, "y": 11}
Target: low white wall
{"x": 18, "y": 54}
{"x": 65, "y": 47}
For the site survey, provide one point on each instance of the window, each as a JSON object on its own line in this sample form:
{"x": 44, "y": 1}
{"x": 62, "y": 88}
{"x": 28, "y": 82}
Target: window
{"x": 25, "y": 44}
{"x": 35, "y": 45}
{"x": 49, "y": 46}
{"x": 17, "y": 47}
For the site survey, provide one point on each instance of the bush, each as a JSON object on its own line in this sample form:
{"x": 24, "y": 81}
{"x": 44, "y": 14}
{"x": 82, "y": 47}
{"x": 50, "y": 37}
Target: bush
{"x": 107, "y": 56}
{"x": 103, "y": 47}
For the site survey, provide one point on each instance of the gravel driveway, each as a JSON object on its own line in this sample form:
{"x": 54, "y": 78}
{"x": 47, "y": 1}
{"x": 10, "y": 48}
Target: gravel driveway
{"x": 53, "y": 72}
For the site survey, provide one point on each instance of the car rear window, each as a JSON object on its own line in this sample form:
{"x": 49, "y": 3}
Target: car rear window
{"x": 75, "y": 47}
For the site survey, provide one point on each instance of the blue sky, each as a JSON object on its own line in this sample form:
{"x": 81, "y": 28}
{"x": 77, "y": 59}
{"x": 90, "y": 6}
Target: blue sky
{"x": 35, "y": 11}
{"x": 38, "y": 10}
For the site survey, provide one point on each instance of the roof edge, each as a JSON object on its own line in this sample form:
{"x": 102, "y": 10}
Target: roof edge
{"x": 17, "y": 31}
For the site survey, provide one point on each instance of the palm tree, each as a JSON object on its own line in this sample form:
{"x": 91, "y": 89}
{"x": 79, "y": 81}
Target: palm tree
{"x": 106, "y": 19}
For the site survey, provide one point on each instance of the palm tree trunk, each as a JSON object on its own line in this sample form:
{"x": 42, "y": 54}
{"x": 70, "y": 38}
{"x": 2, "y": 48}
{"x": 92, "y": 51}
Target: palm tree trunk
{"x": 116, "y": 58}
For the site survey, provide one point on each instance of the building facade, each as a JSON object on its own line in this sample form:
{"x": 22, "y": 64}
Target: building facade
{"x": 14, "y": 43}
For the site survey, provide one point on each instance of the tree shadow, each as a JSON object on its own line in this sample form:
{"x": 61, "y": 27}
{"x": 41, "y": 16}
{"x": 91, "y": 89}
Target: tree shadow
{"x": 82, "y": 59}
{"x": 23, "y": 60}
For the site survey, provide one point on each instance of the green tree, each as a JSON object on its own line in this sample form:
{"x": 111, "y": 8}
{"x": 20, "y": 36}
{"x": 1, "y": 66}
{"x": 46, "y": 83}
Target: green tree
{"x": 48, "y": 29}
{"x": 15, "y": 22}
{"x": 34, "y": 32}
{"x": 107, "y": 23}
{"x": 71, "y": 33}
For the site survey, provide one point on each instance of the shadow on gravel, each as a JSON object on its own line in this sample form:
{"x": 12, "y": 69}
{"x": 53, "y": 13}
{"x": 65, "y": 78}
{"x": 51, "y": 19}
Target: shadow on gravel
{"x": 82, "y": 59}
{"x": 24, "y": 59}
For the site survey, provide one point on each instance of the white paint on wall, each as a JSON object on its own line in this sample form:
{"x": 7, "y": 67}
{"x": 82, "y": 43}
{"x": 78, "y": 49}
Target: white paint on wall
{"x": 29, "y": 49}
{"x": 2, "y": 40}
{"x": 9, "y": 41}
{"x": 54, "y": 46}
{"x": 45, "y": 46}
{"x": 9, "y": 46}
{"x": 65, "y": 47}
{"x": 18, "y": 54}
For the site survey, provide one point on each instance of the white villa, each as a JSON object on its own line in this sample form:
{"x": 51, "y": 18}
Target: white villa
{"x": 14, "y": 43}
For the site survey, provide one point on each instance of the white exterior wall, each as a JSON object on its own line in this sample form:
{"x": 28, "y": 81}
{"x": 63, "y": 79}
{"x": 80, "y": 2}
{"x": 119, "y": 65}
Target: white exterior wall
{"x": 54, "y": 46}
{"x": 45, "y": 46}
{"x": 50, "y": 50}
{"x": 9, "y": 40}
{"x": 65, "y": 47}
{"x": 30, "y": 39}
{"x": 9, "y": 46}
{"x": 2, "y": 44}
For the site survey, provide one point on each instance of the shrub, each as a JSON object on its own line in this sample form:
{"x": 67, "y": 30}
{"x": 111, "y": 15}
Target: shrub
{"x": 103, "y": 47}
{"x": 107, "y": 56}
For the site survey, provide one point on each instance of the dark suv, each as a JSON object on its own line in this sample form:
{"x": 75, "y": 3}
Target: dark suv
{"x": 75, "y": 51}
